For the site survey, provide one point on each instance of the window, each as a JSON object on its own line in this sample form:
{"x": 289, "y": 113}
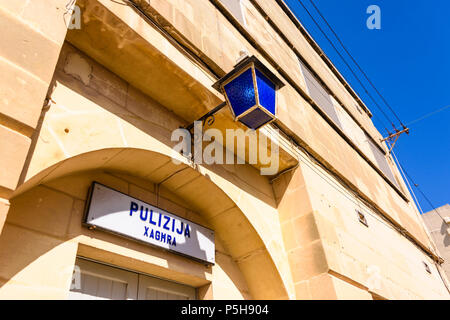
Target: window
{"x": 235, "y": 8}
{"x": 352, "y": 130}
{"x": 427, "y": 267}
{"x": 318, "y": 93}
{"x": 381, "y": 160}
{"x": 366, "y": 145}
{"x": 362, "y": 218}
{"x": 340, "y": 117}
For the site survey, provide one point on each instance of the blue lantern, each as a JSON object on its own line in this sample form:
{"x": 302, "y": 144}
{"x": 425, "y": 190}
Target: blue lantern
{"x": 250, "y": 90}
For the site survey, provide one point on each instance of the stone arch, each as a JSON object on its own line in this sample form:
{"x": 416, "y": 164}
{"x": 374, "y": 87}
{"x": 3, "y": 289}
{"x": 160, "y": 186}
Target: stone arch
{"x": 110, "y": 125}
{"x": 218, "y": 202}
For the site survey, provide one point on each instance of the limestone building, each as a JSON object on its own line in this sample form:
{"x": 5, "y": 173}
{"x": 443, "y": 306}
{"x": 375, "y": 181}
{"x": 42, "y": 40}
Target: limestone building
{"x": 438, "y": 224}
{"x": 91, "y": 92}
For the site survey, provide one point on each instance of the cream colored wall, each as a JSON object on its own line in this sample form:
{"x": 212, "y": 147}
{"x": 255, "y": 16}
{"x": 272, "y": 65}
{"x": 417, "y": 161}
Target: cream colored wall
{"x": 28, "y": 56}
{"x": 311, "y": 274}
{"x": 329, "y": 248}
{"x": 298, "y": 243}
{"x": 43, "y": 234}
{"x": 217, "y": 40}
{"x": 93, "y": 110}
{"x": 440, "y": 231}
{"x": 275, "y": 13}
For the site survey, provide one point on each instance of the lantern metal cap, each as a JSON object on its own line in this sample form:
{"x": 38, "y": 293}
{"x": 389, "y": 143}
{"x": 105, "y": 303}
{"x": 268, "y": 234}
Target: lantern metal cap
{"x": 245, "y": 63}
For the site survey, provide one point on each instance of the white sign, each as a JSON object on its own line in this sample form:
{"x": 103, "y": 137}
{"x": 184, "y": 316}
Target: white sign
{"x": 119, "y": 213}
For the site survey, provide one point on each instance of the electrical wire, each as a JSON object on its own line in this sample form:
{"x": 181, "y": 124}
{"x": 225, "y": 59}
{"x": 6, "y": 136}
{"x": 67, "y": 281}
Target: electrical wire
{"x": 428, "y": 115}
{"x": 408, "y": 177}
{"x": 420, "y": 211}
{"x": 343, "y": 188}
{"x": 348, "y": 66}
{"x": 386, "y": 103}
{"x": 426, "y": 198}
{"x": 357, "y": 64}
{"x": 407, "y": 181}
{"x": 340, "y": 186}
{"x": 420, "y": 190}
{"x": 377, "y": 91}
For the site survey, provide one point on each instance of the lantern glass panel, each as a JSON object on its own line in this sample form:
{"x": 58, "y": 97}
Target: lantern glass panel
{"x": 241, "y": 92}
{"x": 266, "y": 92}
{"x": 255, "y": 119}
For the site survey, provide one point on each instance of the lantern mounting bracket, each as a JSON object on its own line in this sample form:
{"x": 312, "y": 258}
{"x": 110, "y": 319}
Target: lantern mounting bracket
{"x": 392, "y": 138}
{"x": 207, "y": 117}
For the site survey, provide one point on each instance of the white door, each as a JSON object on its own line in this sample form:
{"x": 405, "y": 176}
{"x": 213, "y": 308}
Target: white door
{"x": 95, "y": 281}
{"x": 156, "y": 289}
{"x": 92, "y": 280}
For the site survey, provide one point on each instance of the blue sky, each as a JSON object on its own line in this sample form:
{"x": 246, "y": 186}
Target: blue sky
{"x": 408, "y": 60}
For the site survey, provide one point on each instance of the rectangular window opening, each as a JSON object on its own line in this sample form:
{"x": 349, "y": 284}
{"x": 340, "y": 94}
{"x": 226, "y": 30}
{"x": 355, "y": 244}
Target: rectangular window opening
{"x": 319, "y": 94}
{"x": 427, "y": 267}
{"x": 362, "y": 218}
{"x": 382, "y": 161}
{"x": 235, "y": 8}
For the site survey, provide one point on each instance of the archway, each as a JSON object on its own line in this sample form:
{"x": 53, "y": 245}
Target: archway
{"x": 153, "y": 174}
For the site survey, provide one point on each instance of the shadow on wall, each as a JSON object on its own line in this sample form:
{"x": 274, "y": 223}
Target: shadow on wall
{"x": 119, "y": 98}
{"x": 444, "y": 231}
{"x": 43, "y": 220}
{"x": 107, "y": 92}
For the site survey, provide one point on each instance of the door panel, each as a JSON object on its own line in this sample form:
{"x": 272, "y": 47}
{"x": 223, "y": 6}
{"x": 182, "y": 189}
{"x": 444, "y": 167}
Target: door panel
{"x": 156, "y": 289}
{"x": 94, "y": 281}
